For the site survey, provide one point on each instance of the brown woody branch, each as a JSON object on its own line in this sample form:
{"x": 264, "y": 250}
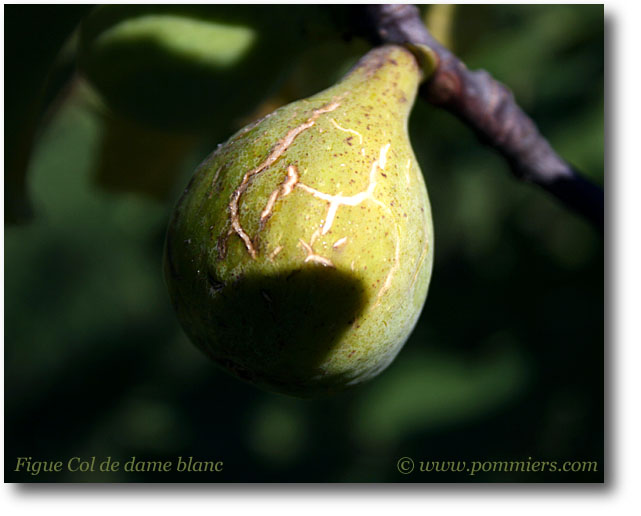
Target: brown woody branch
{"x": 488, "y": 107}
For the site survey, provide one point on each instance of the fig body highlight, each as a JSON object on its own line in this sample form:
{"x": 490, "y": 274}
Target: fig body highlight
{"x": 300, "y": 254}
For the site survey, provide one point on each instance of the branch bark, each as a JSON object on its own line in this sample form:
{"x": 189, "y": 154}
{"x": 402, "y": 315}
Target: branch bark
{"x": 487, "y": 107}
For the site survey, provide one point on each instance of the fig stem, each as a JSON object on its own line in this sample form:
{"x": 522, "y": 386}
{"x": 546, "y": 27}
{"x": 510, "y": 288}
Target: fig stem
{"x": 487, "y": 107}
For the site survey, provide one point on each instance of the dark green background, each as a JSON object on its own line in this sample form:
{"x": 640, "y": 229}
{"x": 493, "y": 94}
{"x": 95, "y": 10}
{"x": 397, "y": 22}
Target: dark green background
{"x": 506, "y": 362}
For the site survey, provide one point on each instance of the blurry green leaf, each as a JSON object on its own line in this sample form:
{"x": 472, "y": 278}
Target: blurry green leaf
{"x": 140, "y": 159}
{"x": 431, "y": 390}
{"x": 277, "y": 430}
{"x": 35, "y": 34}
{"x": 69, "y": 286}
{"x": 147, "y": 425}
{"x": 580, "y": 141}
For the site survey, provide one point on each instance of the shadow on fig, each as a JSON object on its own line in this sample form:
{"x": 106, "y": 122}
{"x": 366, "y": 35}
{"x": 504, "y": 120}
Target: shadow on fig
{"x": 276, "y": 331}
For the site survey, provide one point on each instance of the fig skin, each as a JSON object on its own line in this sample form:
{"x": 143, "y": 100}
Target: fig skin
{"x": 300, "y": 254}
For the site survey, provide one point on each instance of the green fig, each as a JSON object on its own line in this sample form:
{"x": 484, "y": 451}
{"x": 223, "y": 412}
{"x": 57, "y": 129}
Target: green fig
{"x": 299, "y": 256}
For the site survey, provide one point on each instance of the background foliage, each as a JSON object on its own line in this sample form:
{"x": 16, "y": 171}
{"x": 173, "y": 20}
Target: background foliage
{"x": 506, "y": 362}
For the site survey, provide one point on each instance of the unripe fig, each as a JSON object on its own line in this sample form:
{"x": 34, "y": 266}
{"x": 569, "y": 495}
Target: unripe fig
{"x": 189, "y": 67}
{"x": 300, "y": 254}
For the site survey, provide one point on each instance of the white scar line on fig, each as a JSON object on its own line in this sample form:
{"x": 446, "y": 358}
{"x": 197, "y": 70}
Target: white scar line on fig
{"x": 420, "y": 261}
{"x": 275, "y": 252}
{"x": 290, "y": 180}
{"x": 315, "y": 235}
{"x": 388, "y": 279}
{"x": 340, "y": 242}
{"x": 397, "y": 252}
{"x": 277, "y": 151}
{"x": 311, "y": 257}
{"x": 285, "y": 188}
{"x": 214, "y": 181}
{"x": 267, "y": 210}
{"x": 341, "y": 128}
{"x": 335, "y": 201}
